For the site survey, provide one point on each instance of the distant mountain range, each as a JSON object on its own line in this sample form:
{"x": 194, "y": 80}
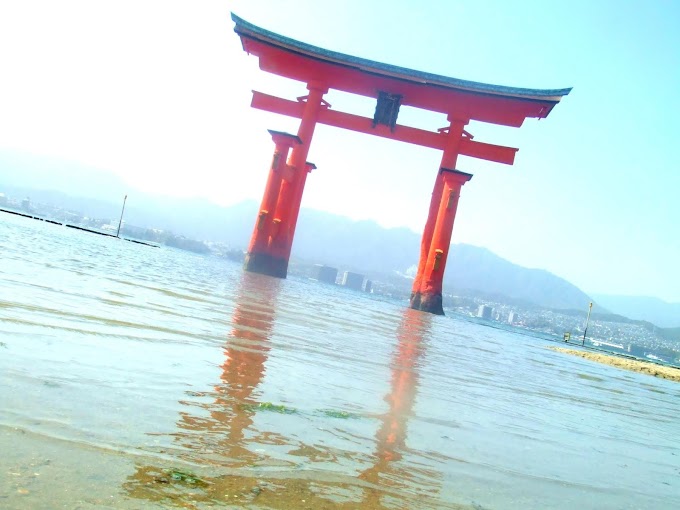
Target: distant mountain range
{"x": 365, "y": 246}
{"x": 650, "y": 309}
{"x": 325, "y": 238}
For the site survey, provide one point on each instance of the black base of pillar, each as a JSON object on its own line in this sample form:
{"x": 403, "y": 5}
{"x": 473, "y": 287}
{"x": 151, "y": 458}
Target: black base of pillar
{"x": 263, "y": 263}
{"x": 431, "y": 303}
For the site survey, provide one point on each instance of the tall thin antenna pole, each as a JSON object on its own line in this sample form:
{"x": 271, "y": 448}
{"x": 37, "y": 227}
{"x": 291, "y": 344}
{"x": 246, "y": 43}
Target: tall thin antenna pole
{"x": 120, "y": 221}
{"x": 590, "y": 309}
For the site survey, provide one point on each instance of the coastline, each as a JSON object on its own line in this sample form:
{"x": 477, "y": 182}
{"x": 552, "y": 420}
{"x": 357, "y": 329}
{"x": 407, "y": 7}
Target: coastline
{"x": 643, "y": 367}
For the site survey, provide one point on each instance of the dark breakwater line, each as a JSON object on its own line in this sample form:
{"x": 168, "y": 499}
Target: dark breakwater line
{"x": 38, "y": 218}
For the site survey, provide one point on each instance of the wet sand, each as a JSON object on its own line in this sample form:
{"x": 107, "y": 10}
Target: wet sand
{"x": 644, "y": 367}
{"x": 87, "y": 477}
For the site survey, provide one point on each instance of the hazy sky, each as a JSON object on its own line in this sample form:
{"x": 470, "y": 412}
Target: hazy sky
{"x": 158, "y": 93}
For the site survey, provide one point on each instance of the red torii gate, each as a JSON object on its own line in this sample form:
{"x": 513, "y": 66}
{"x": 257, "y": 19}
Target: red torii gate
{"x": 392, "y": 86}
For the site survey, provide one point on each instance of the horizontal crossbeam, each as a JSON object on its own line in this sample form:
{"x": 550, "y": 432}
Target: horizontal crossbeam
{"x": 489, "y": 152}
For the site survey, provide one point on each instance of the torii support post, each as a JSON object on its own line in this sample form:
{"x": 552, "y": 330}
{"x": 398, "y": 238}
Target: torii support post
{"x": 259, "y": 258}
{"x": 423, "y": 297}
{"x": 272, "y": 240}
{"x": 295, "y": 212}
{"x": 288, "y": 207}
{"x": 427, "y": 286}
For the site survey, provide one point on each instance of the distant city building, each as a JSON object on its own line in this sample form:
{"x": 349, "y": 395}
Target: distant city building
{"x": 132, "y": 230}
{"x": 326, "y": 274}
{"x": 26, "y": 204}
{"x": 513, "y": 318}
{"x": 72, "y": 216}
{"x": 352, "y": 280}
{"x": 3, "y": 199}
{"x": 368, "y": 286}
{"x": 611, "y": 345}
{"x": 484, "y": 311}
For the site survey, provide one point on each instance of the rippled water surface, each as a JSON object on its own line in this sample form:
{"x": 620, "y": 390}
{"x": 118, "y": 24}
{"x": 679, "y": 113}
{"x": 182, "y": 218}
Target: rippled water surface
{"x": 138, "y": 377}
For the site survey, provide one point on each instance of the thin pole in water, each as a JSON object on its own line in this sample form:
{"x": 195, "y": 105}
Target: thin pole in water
{"x": 120, "y": 221}
{"x": 590, "y": 309}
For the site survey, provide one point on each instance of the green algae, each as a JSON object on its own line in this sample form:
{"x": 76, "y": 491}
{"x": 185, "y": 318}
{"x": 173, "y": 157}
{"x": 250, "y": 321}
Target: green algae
{"x": 343, "y": 415}
{"x": 281, "y": 409}
{"x": 186, "y": 478}
{"x": 268, "y": 406}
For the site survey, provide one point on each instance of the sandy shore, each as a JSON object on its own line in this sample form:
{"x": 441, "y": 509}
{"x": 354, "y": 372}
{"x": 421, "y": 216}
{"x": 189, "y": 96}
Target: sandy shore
{"x": 643, "y": 367}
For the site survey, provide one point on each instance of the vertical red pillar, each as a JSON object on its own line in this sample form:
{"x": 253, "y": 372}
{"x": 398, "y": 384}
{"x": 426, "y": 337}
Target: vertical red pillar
{"x": 297, "y": 202}
{"x": 429, "y": 297}
{"x": 259, "y": 259}
{"x": 291, "y": 191}
{"x": 449, "y": 160}
{"x": 427, "y": 248}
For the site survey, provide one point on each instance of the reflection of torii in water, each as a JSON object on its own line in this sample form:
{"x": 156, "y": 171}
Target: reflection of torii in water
{"x": 220, "y": 436}
{"x": 391, "y": 437}
{"x": 246, "y": 353}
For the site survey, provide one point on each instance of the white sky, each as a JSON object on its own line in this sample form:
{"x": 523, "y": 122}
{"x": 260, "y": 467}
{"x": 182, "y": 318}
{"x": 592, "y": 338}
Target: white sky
{"x": 158, "y": 93}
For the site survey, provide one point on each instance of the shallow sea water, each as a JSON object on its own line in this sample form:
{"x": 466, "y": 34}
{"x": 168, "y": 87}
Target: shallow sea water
{"x": 138, "y": 377}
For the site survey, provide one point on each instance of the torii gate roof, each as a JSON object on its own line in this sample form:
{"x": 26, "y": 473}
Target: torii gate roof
{"x": 457, "y": 98}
